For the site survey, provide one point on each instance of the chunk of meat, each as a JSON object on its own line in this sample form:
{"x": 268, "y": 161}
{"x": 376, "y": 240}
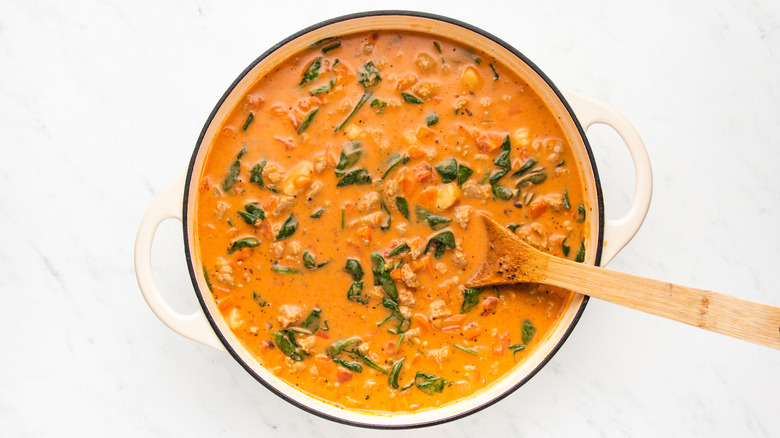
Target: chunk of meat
{"x": 368, "y": 203}
{"x": 405, "y": 297}
{"x": 288, "y": 314}
{"x": 284, "y": 205}
{"x": 462, "y": 216}
{"x": 473, "y": 190}
{"x": 409, "y": 277}
{"x": 438, "y": 309}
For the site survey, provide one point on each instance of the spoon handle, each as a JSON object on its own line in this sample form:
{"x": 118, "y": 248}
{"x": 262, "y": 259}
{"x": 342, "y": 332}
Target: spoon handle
{"x": 728, "y": 315}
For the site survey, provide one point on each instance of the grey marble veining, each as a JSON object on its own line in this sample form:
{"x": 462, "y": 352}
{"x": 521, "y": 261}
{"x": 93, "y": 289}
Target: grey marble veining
{"x": 101, "y": 104}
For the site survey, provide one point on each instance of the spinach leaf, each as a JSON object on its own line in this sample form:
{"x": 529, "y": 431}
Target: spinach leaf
{"x": 565, "y": 248}
{"x": 435, "y": 221}
{"x": 536, "y": 177}
{"x": 312, "y": 71}
{"x": 252, "y": 214}
{"x": 323, "y": 41}
{"x": 256, "y": 174}
{"x": 470, "y": 299}
{"x": 284, "y": 270}
{"x": 355, "y": 177}
{"x": 463, "y": 174}
{"x": 382, "y": 276}
{"x": 337, "y": 347}
{"x": 528, "y": 331}
{"x": 350, "y": 154}
{"x": 392, "y": 378}
{"x": 323, "y": 89}
{"x": 285, "y": 340}
{"x": 355, "y": 367}
{"x": 386, "y": 226}
{"x": 318, "y": 213}
{"x": 466, "y": 350}
{"x": 411, "y": 98}
{"x": 448, "y": 169}
{"x": 312, "y": 322}
{"x": 515, "y": 348}
{"x": 428, "y": 383}
{"x": 361, "y": 102}
{"x": 307, "y": 120}
{"x": 566, "y": 203}
{"x": 260, "y": 302}
{"x": 288, "y": 228}
{"x": 331, "y": 47}
{"x": 432, "y": 119}
{"x": 580, "y": 253}
{"x": 247, "y": 242}
{"x": 379, "y": 104}
{"x": 354, "y": 268}
{"x": 495, "y": 73}
{"x": 392, "y": 162}
{"x": 232, "y": 176}
{"x": 439, "y": 242}
{"x": 502, "y": 193}
{"x": 355, "y": 293}
{"x": 514, "y": 227}
{"x": 497, "y": 175}
{"x": 399, "y": 249}
{"x": 403, "y": 206}
{"x": 309, "y": 261}
{"x": 248, "y": 122}
{"x": 525, "y": 167}
{"x": 581, "y": 211}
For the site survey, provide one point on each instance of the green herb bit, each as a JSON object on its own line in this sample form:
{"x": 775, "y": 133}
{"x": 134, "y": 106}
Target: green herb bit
{"x": 260, "y": 302}
{"x": 232, "y": 176}
{"x": 411, "y": 98}
{"x": 331, "y": 47}
{"x": 355, "y": 367}
{"x": 470, "y": 299}
{"x": 252, "y": 214}
{"x": 354, "y": 268}
{"x": 432, "y": 119}
{"x": 525, "y": 167}
{"x": 355, "y": 177}
{"x": 382, "y": 276}
{"x": 502, "y": 193}
{"x": 317, "y": 214}
{"x": 309, "y": 261}
{"x": 256, "y": 174}
{"x": 429, "y": 383}
{"x": 392, "y": 162}
{"x": 561, "y": 164}
{"x": 528, "y": 331}
{"x": 402, "y": 248}
{"x": 343, "y": 216}
{"x": 439, "y": 242}
{"x": 565, "y": 248}
{"x": 288, "y": 228}
{"x": 566, "y": 203}
{"x": 312, "y": 71}
{"x": 533, "y": 178}
{"x": 284, "y": 270}
{"x": 241, "y": 153}
{"x": 580, "y": 253}
{"x": 528, "y": 198}
{"x": 355, "y": 293}
{"x": 403, "y": 206}
{"x": 392, "y": 377}
{"x": 495, "y": 73}
{"x": 435, "y": 221}
{"x": 230, "y": 222}
{"x": 247, "y": 242}
{"x": 514, "y": 227}
{"x": 581, "y": 211}
{"x": 361, "y": 102}
{"x": 370, "y": 76}
{"x": 463, "y": 174}
{"x": 379, "y": 104}
{"x": 248, "y": 122}
{"x": 515, "y": 348}
{"x": 368, "y": 362}
{"x": 438, "y": 47}
{"x": 448, "y": 169}
{"x": 323, "y": 89}
{"x": 466, "y": 350}
{"x": 386, "y": 226}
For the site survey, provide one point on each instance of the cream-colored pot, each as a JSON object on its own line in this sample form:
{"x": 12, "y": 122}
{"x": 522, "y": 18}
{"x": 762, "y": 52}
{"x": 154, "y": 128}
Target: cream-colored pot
{"x": 576, "y": 113}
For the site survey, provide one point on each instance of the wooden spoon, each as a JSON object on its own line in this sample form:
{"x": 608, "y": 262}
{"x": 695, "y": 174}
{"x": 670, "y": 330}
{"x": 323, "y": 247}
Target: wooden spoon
{"x": 511, "y": 260}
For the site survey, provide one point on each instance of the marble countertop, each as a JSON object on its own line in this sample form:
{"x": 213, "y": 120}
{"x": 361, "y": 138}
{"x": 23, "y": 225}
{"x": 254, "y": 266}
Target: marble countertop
{"x": 101, "y": 103}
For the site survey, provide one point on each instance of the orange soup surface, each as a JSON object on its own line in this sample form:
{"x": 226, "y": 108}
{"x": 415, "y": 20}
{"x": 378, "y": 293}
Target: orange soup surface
{"x": 338, "y": 219}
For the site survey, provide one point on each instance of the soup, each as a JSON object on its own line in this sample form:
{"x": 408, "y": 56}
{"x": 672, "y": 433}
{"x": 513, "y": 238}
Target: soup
{"x": 337, "y": 219}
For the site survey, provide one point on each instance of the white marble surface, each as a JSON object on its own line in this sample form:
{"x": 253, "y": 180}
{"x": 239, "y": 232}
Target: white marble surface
{"x": 101, "y": 103}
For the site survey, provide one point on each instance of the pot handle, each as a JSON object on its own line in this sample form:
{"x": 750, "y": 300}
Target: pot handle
{"x": 618, "y": 232}
{"x": 195, "y": 326}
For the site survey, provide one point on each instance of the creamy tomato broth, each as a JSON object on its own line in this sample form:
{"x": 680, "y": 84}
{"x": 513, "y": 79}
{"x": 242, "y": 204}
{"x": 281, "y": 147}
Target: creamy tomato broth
{"x": 338, "y": 219}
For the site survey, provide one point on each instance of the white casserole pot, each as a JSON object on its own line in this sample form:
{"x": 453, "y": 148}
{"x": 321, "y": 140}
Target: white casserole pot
{"x": 576, "y": 113}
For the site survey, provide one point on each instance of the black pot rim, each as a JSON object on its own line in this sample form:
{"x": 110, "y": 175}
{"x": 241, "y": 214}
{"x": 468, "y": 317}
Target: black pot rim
{"x": 191, "y": 264}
